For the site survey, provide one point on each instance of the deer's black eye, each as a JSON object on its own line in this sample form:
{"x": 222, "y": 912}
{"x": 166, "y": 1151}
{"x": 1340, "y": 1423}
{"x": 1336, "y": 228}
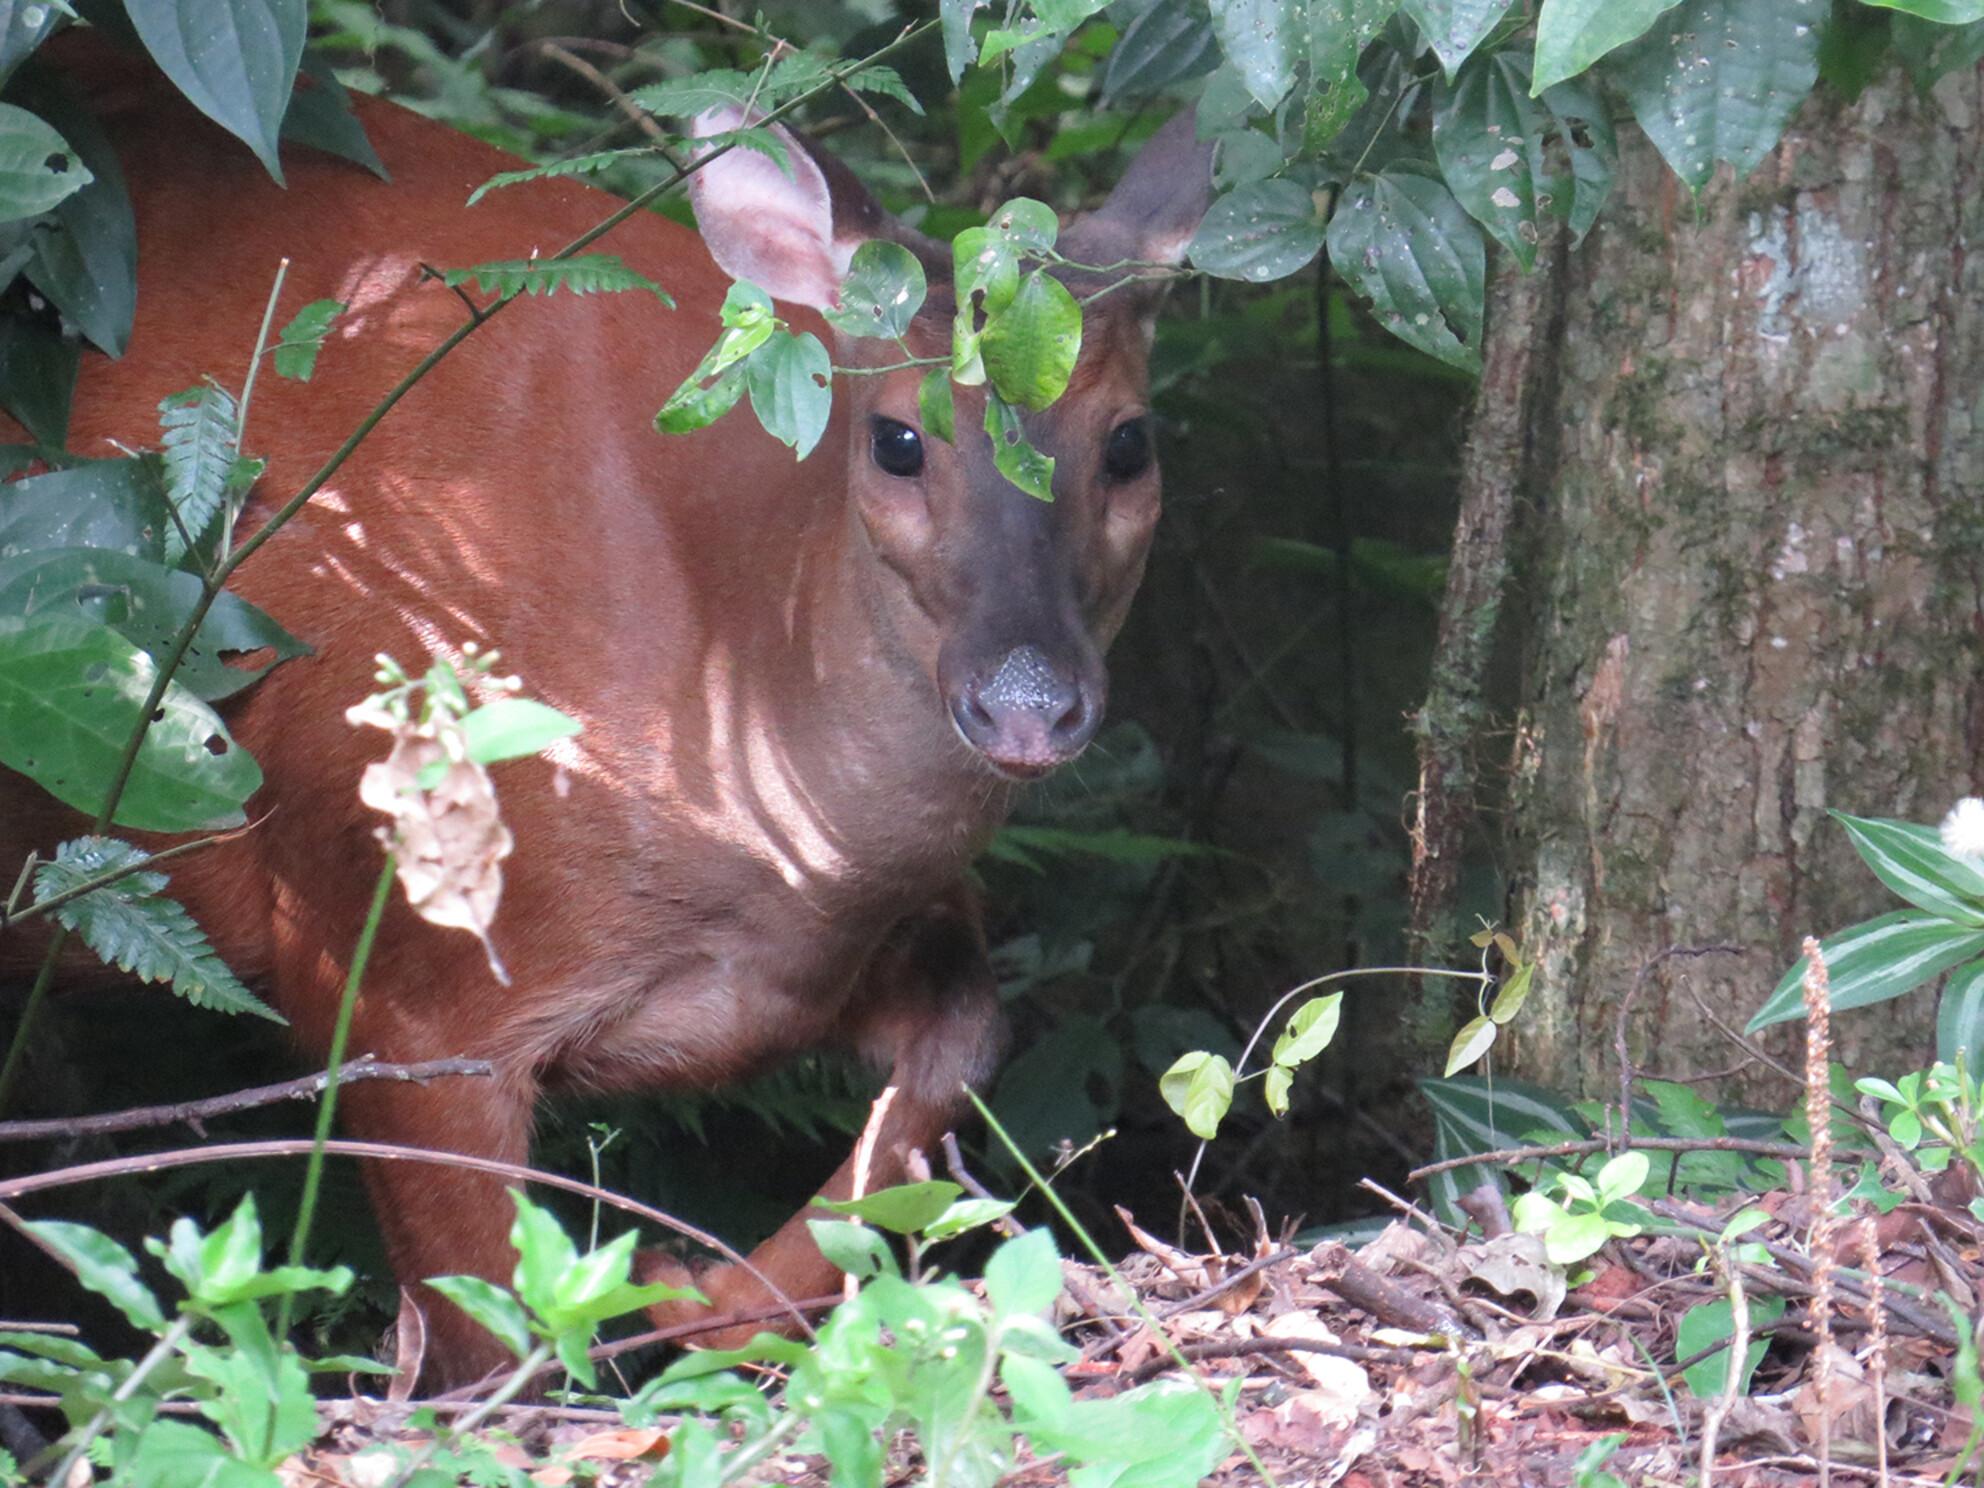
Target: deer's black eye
{"x": 1128, "y": 453}
{"x": 897, "y": 448}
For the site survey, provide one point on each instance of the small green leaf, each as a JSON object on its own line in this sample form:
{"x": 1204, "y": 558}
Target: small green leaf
{"x": 1573, "y": 34}
{"x": 984, "y": 264}
{"x": 1406, "y": 244}
{"x": 588, "y": 273}
{"x": 1309, "y": 1031}
{"x": 904, "y": 1209}
{"x": 513, "y": 727}
{"x": 1264, "y": 230}
{"x": 577, "y": 165}
{"x": 104, "y": 1267}
{"x": 1622, "y": 1176}
{"x": 236, "y": 60}
{"x": 882, "y": 292}
{"x": 38, "y": 168}
{"x": 545, "y": 1254}
{"x": 790, "y": 378}
{"x": 1260, "y": 38}
{"x": 1275, "y": 1086}
{"x": 1515, "y": 992}
{"x": 1334, "y": 35}
{"x": 967, "y": 1214}
{"x": 1199, "y": 1087}
{"x": 303, "y": 338}
{"x": 684, "y": 98}
{"x": 698, "y": 403}
{"x": 1708, "y": 1323}
{"x": 1470, "y": 1044}
{"x": 1454, "y": 28}
{"x": 1023, "y": 1275}
{"x": 855, "y": 1248}
{"x": 935, "y": 405}
{"x": 199, "y": 429}
{"x": 1014, "y": 458}
{"x": 320, "y": 116}
{"x": 491, "y": 1306}
{"x": 1030, "y": 345}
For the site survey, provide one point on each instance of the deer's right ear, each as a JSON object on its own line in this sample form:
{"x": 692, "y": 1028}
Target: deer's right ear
{"x": 761, "y": 224}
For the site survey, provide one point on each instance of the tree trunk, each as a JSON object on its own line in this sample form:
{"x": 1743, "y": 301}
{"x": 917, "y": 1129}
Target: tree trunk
{"x": 1749, "y": 582}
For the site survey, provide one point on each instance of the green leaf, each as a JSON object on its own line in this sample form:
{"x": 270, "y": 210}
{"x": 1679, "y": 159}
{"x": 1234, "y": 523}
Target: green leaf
{"x": 86, "y": 252}
{"x": 886, "y": 82}
{"x": 1275, "y": 1088}
{"x": 26, "y": 25}
{"x": 173, "y": 1454}
{"x": 1712, "y": 1322}
{"x": 1167, "y": 1434}
{"x": 1942, "y": 12}
{"x": 131, "y": 924}
{"x": 1166, "y": 44}
{"x": 147, "y": 604}
{"x": 319, "y": 115}
{"x": 1912, "y": 861}
{"x": 682, "y": 98}
{"x": 1718, "y": 80}
{"x": 588, "y": 273}
{"x": 1476, "y": 1038}
{"x": 882, "y": 292}
{"x": 790, "y": 378}
{"x": 1335, "y": 33}
{"x": 1310, "y": 1030}
{"x": 1489, "y": 136}
{"x": 1874, "y": 961}
{"x": 1199, "y": 1087}
{"x": 1266, "y": 230}
{"x": 1514, "y": 993}
{"x": 235, "y": 60}
{"x": 38, "y": 375}
{"x": 935, "y": 405}
{"x": 1584, "y": 124}
{"x": 1931, "y": 52}
{"x": 855, "y": 1248}
{"x": 1960, "y": 1016}
{"x": 198, "y": 431}
{"x": 577, "y": 165}
{"x": 959, "y": 48}
{"x": 303, "y": 338}
{"x": 700, "y": 402}
{"x": 98, "y": 504}
{"x": 1245, "y": 156}
{"x": 905, "y": 1209}
{"x": 965, "y": 1215}
{"x": 1573, "y": 34}
{"x": 1023, "y": 1275}
{"x": 1014, "y": 458}
{"x": 1031, "y": 344}
{"x": 104, "y": 1267}
{"x": 69, "y": 698}
{"x": 545, "y": 1254}
{"x": 38, "y": 168}
{"x": 1454, "y": 28}
{"x": 1406, "y": 244}
{"x": 1622, "y": 1176}
{"x": 1261, "y": 39}
{"x": 513, "y": 727}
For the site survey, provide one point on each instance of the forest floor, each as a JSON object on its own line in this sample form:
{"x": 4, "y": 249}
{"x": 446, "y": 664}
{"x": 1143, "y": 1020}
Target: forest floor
{"x": 1420, "y": 1361}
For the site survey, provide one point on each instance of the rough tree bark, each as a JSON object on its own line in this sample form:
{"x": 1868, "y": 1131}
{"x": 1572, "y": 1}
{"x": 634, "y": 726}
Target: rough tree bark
{"x": 1750, "y": 576}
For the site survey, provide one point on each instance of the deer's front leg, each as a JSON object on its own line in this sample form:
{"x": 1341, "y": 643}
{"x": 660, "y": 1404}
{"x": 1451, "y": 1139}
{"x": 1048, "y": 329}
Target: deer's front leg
{"x": 930, "y": 1009}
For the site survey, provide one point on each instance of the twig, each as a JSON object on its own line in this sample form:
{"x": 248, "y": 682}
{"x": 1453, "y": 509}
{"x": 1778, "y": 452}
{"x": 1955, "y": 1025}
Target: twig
{"x": 1738, "y": 1354}
{"x": 1818, "y": 1115}
{"x": 1789, "y": 1151}
{"x": 639, "y": 117}
{"x": 1640, "y": 978}
{"x": 192, "y": 1113}
{"x": 144, "y": 862}
{"x": 1877, "y": 1342}
{"x": 1240, "y": 1348}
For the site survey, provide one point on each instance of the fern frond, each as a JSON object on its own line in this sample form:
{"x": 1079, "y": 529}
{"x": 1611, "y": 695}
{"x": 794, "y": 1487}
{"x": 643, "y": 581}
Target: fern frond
{"x": 578, "y": 165}
{"x": 198, "y": 428}
{"x": 886, "y": 82}
{"x": 132, "y": 925}
{"x": 684, "y": 98}
{"x": 589, "y": 273}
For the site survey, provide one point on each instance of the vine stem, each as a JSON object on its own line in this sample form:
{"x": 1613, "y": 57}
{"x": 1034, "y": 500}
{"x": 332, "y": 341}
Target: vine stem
{"x": 211, "y": 583}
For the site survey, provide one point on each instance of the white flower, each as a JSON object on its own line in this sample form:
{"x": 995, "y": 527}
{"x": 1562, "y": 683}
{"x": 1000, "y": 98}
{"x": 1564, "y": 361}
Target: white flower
{"x": 1963, "y": 830}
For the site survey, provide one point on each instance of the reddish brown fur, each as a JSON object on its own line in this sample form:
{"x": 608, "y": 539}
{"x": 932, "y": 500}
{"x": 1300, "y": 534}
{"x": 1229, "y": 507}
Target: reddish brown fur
{"x": 769, "y": 814}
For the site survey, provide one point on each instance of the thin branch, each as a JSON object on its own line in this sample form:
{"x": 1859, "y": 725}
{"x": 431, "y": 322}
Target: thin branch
{"x": 104, "y": 880}
{"x": 192, "y": 1113}
{"x": 1789, "y": 1151}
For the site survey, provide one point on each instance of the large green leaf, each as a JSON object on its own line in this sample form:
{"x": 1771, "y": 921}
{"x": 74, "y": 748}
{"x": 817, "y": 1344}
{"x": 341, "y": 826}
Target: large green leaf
{"x": 1911, "y": 860}
{"x": 320, "y": 116}
{"x": 1960, "y": 1016}
{"x": 99, "y": 504}
{"x": 1930, "y": 51}
{"x": 882, "y": 292}
{"x": 1489, "y": 136}
{"x": 38, "y": 168}
{"x": 1718, "y": 80}
{"x": 147, "y": 603}
{"x": 1454, "y": 28}
{"x": 1406, "y": 244}
{"x": 1264, "y": 230}
{"x": 1335, "y": 33}
{"x": 1472, "y": 1113}
{"x": 235, "y": 60}
{"x": 38, "y": 375}
{"x": 1261, "y": 40}
{"x": 1573, "y": 34}
{"x": 1874, "y": 961}
{"x": 1584, "y": 125}
{"x": 1031, "y": 344}
{"x": 1167, "y": 44}
{"x": 70, "y": 692}
{"x": 86, "y": 253}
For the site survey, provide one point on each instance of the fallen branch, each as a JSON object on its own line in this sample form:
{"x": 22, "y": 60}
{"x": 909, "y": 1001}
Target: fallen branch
{"x": 192, "y": 1113}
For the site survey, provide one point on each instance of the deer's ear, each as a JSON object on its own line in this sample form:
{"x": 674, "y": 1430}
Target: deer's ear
{"x": 1155, "y": 208}
{"x": 774, "y": 228}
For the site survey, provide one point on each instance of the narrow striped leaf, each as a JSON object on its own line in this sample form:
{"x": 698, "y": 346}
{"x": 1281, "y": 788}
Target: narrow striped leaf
{"x": 1960, "y": 1018}
{"x": 1874, "y": 961}
{"x": 1911, "y": 860}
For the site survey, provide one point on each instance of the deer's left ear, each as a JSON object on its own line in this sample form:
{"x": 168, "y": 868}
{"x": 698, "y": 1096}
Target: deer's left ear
{"x": 790, "y": 234}
{"x": 1155, "y": 208}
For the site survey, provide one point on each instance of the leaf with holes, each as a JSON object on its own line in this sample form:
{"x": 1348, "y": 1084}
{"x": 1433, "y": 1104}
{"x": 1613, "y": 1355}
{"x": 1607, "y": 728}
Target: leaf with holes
{"x": 1309, "y": 1032}
{"x": 38, "y": 169}
{"x": 234, "y": 59}
{"x": 86, "y": 252}
{"x": 1012, "y": 455}
{"x": 1199, "y": 1087}
{"x": 1030, "y": 345}
{"x": 790, "y": 378}
{"x": 98, "y": 504}
{"x": 1488, "y": 134}
{"x": 1335, "y": 33}
{"x": 70, "y": 692}
{"x": 147, "y": 603}
{"x": 133, "y": 926}
{"x": 882, "y": 292}
{"x": 1573, "y": 34}
{"x": 1407, "y": 245}
{"x": 1454, "y": 28}
{"x": 198, "y": 430}
{"x": 1264, "y": 230}
{"x": 1718, "y": 80}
